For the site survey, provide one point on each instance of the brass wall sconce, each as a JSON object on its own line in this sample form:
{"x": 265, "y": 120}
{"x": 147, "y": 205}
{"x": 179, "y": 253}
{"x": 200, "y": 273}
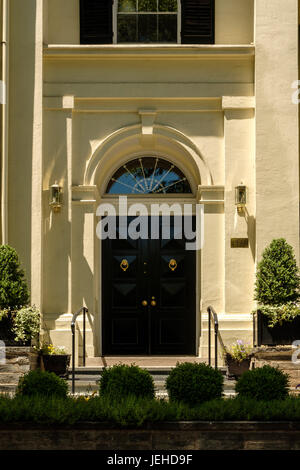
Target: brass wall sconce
{"x": 55, "y": 197}
{"x": 240, "y": 197}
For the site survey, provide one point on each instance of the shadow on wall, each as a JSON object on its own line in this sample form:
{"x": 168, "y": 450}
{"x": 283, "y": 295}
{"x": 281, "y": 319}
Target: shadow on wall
{"x": 251, "y": 232}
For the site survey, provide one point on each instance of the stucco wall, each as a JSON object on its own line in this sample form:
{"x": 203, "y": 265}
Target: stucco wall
{"x": 234, "y": 21}
{"x": 277, "y": 147}
{"x": 187, "y": 100}
{"x": 25, "y": 139}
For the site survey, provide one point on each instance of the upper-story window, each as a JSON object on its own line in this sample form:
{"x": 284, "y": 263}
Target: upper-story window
{"x": 147, "y": 21}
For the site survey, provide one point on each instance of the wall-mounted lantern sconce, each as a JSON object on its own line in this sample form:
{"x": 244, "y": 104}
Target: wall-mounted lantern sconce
{"x": 240, "y": 197}
{"x": 55, "y": 197}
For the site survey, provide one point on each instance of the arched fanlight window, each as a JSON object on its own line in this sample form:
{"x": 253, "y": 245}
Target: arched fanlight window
{"x": 148, "y": 175}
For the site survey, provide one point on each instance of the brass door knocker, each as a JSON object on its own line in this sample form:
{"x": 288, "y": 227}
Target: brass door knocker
{"x": 124, "y": 265}
{"x": 173, "y": 264}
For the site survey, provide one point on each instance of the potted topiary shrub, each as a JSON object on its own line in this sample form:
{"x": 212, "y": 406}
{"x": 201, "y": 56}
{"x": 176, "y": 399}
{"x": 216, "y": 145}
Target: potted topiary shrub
{"x": 55, "y": 359}
{"x": 277, "y": 294}
{"x": 238, "y": 358}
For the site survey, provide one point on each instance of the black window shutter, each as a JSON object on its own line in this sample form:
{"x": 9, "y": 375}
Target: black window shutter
{"x": 96, "y": 22}
{"x": 197, "y": 21}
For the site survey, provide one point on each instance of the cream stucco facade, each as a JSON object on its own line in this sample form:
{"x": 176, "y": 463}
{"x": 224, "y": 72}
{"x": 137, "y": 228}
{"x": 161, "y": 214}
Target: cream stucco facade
{"x": 223, "y": 113}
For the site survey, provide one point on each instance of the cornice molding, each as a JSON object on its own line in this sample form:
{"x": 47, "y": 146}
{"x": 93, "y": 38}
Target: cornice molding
{"x": 151, "y": 51}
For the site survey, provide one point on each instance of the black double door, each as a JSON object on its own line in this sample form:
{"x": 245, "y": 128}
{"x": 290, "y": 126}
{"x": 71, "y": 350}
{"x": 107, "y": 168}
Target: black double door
{"x": 148, "y": 294}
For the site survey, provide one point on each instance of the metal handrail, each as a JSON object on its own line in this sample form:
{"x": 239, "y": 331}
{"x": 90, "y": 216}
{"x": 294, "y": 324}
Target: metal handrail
{"x": 213, "y": 316}
{"x": 84, "y": 310}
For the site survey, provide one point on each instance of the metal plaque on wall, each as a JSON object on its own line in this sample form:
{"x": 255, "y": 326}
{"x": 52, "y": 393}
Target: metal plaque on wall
{"x": 239, "y": 242}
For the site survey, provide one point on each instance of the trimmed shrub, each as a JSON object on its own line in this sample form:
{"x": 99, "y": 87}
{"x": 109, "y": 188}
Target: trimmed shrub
{"x": 194, "y": 383}
{"x": 13, "y": 288}
{"x": 122, "y": 380}
{"x": 37, "y": 382}
{"x": 277, "y": 278}
{"x": 264, "y": 383}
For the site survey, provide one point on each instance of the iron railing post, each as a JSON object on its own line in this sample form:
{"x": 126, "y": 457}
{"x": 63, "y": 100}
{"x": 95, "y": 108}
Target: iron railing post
{"x": 84, "y": 310}
{"x": 83, "y": 355}
{"x": 73, "y": 357}
{"x": 216, "y": 344}
{"x": 209, "y": 338}
{"x": 213, "y": 316}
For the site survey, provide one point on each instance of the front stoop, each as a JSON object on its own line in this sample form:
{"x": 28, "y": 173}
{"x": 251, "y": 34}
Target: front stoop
{"x": 87, "y": 380}
{"x": 20, "y": 360}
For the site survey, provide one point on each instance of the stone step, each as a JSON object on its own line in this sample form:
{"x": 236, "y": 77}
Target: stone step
{"x": 155, "y": 371}
{"x": 89, "y": 388}
{"x": 158, "y": 381}
{"x": 142, "y": 361}
{"x": 87, "y": 379}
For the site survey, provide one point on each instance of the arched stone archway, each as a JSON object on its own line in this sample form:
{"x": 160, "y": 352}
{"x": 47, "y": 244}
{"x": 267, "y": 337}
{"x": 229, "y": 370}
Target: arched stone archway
{"x": 128, "y": 142}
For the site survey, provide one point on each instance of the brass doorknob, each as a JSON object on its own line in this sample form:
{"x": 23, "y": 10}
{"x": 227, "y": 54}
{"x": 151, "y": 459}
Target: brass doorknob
{"x": 144, "y": 303}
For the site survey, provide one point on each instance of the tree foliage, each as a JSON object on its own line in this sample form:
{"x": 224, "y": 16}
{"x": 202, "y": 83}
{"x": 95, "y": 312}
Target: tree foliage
{"x": 13, "y": 287}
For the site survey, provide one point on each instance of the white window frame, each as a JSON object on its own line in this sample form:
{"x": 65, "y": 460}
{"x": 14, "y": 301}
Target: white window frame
{"x": 115, "y": 25}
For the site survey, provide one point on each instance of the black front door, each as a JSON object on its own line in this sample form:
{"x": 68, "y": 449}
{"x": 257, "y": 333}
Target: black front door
{"x": 148, "y": 295}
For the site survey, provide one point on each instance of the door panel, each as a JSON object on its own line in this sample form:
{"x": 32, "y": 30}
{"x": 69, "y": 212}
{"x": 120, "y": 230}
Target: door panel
{"x": 173, "y": 282}
{"x": 124, "y": 318}
{"x": 161, "y": 273}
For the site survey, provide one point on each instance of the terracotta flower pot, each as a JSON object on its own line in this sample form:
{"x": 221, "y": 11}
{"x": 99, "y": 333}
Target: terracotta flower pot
{"x": 237, "y": 368}
{"x": 59, "y": 364}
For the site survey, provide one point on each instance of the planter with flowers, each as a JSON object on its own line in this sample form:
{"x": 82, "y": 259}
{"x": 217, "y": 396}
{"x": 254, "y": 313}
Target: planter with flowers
{"x": 55, "y": 359}
{"x": 277, "y": 294}
{"x": 238, "y": 358}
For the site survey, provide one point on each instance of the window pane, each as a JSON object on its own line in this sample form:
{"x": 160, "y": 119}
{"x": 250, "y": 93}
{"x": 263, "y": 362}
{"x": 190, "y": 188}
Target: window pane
{"x": 147, "y": 28}
{"x": 167, "y": 5}
{"x": 147, "y": 5}
{"x": 127, "y": 5}
{"x": 127, "y": 28}
{"x": 148, "y": 175}
{"x": 167, "y": 28}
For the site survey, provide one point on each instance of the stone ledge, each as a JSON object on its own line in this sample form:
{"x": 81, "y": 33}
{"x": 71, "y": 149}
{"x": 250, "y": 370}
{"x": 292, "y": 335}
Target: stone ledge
{"x": 275, "y": 353}
{"x": 167, "y": 436}
{"x": 281, "y": 357}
